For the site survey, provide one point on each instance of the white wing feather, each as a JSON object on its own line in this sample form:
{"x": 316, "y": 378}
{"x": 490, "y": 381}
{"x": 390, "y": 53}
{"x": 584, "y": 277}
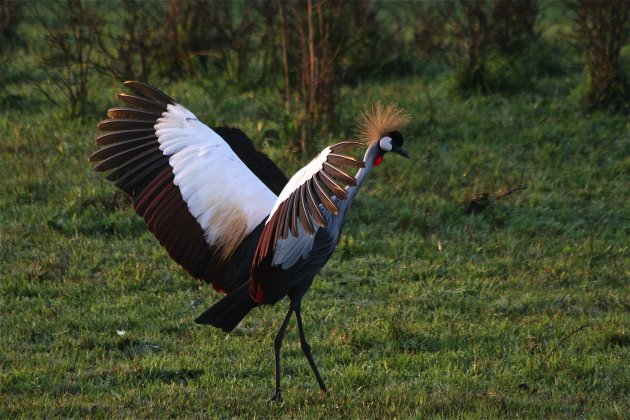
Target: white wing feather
{"x": 288, "y": 251}
{"x": 213, "y": 181}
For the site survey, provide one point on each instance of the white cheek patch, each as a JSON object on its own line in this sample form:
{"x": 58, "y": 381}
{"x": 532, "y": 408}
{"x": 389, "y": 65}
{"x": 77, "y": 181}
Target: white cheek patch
{"x": 386, "y": 144}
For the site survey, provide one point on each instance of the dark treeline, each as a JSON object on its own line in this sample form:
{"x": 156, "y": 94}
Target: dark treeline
{"x": 305, "y": 50}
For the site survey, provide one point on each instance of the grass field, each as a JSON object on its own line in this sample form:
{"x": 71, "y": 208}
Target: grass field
{"x": 521, "y": 310}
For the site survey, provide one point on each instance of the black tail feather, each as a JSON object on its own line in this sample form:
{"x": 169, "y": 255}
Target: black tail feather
{"x": 229, "y": 311}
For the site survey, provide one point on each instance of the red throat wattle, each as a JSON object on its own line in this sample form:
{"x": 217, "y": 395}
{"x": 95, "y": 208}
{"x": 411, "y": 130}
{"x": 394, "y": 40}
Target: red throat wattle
{"x": 378, "y": 160}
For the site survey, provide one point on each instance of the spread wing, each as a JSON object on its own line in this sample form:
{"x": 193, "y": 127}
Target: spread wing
{"x": 304, "y": 205}
{"x": 192, "y": 189}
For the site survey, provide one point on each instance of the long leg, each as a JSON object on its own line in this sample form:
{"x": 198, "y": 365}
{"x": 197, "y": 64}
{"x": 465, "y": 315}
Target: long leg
{"x": 277, "y": 343}
{"x": 306, "y": 348}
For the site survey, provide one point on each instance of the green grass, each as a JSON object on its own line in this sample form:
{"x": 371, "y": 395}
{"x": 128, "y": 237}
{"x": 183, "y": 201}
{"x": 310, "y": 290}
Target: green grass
{"x": 519, "y": 311}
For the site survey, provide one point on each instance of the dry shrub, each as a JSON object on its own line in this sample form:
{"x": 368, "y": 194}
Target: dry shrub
{"x": 233, "y": 42}
{"x": 471, "y": 37}
{"x": 200, "y": 34}
{"x": 601, "y": 28}
{"x": 10, "y": 14}
{"x": 430, "y": 34}
{"x": 127, "y": 46}
{"x": 70, "y": 56}
{"x": 482, "y": 29}
{"x": 513, "y": 24}
{"x": 314, "y": 36}
{"x": 185, "y": 30}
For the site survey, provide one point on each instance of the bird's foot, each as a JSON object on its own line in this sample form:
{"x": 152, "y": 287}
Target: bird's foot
{"x": 277, "y": 397}
{"x": 323, "y": 392}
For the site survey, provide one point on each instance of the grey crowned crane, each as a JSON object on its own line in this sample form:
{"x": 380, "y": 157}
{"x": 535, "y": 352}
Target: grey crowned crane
{"x": 226, "y": 213}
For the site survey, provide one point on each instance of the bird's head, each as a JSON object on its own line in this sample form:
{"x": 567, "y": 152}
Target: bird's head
{"x": 390, "y": 142}
{"x": 379, "y": 128}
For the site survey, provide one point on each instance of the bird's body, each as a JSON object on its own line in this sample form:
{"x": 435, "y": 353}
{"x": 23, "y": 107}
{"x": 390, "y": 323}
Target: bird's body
{"x": 226, "y": 213}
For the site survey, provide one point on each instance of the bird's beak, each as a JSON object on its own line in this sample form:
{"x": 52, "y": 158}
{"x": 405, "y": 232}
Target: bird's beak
{"x": 402, "y": 152}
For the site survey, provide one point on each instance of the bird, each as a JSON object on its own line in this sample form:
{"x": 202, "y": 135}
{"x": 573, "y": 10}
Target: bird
{"x": 227, "y": 214}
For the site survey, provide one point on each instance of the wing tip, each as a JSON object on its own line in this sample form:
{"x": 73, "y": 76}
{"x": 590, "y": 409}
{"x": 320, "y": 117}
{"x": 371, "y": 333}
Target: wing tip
{"x": 148, "y": 90}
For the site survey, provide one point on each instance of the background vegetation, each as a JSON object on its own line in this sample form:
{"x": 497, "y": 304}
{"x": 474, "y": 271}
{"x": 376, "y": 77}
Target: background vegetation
{"x": 487, "y": 276}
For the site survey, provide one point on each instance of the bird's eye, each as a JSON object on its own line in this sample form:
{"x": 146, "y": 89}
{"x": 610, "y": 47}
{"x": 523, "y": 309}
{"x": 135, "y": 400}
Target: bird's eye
{"x": 386, "y": 144}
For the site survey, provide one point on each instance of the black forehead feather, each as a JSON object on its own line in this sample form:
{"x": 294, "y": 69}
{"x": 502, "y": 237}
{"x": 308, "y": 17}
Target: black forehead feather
{"x": 397, "y": 138}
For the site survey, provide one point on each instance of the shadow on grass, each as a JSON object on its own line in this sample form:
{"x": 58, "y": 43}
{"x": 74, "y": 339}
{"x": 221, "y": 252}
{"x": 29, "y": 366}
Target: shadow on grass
{"x": 165, "y": 375}
{"x": 126, "y": 347}
{"x": 109, "y": 215}
{"x": 427, "y": 344}
{"x": 407, "y": 341}
{"x": 145, "y": 376}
